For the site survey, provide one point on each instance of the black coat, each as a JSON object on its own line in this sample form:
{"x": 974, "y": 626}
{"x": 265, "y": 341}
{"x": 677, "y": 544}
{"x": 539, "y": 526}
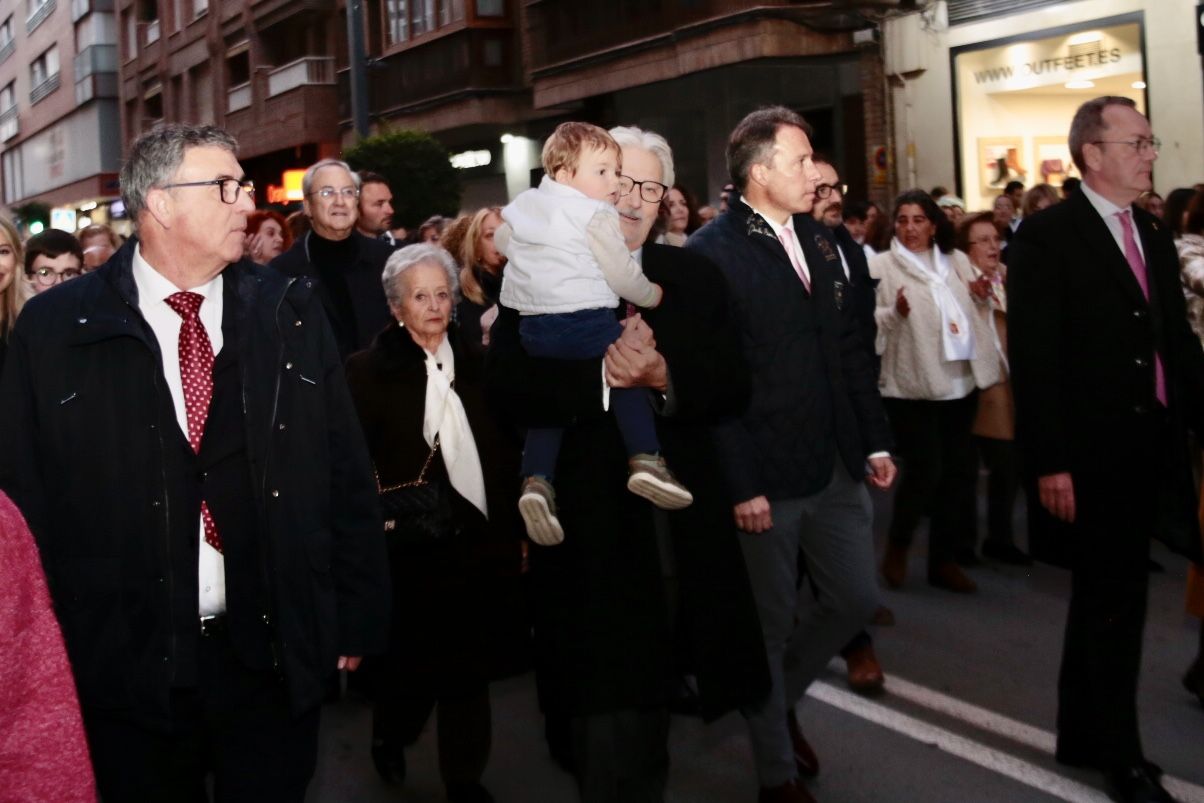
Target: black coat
{"x": 1081, "y": 340}
{"x": 82, "y": 456}
{"x": 601, "y": 622}
{"x": 458, "y": 609}
{"x": 863, "y": 287}
{"x": 770, "y": 450}
{"x": 357, "y": 312}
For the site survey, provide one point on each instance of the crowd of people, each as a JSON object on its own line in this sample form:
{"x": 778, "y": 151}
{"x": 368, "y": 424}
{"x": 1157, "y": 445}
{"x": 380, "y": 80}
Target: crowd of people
{"x": 601, "y": 432}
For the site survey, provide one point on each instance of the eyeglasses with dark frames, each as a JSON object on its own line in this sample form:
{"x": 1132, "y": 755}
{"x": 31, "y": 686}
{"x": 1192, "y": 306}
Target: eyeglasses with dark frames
{"x": 650, "y": 191}
{"x": 824, "y": 190}
{"x": 227, "y": 187}
{"x": 1144, "y": 147}
{"x": 48, "y": 277}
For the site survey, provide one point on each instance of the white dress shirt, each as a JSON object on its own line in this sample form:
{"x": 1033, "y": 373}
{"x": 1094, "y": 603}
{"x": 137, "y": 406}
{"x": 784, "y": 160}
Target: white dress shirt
{"x": 1109, "y": 211}
{"x": 153, "y": 289}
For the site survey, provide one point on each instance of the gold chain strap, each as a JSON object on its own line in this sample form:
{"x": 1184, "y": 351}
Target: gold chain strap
{"x": 421, "y": 474}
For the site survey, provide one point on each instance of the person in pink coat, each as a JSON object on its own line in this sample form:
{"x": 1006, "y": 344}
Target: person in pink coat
{"x": 43, "y": 751}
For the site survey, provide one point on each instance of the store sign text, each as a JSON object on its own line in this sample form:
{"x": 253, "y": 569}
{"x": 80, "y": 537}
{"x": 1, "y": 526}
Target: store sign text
{"x": 1079, "y": 61}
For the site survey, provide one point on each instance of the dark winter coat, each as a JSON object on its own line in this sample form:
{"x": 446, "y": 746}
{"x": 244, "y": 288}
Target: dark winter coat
{"x": 774, "y": 448}
{"x": 458, "y": 613}
{"x": 603, "y": 639}
{"x": 355, "y": 302}
{"x": 84, "y": 443}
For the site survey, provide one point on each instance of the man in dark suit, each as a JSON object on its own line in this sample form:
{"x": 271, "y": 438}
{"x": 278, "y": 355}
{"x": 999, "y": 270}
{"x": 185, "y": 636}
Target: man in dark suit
{"x": 178, "y": 433}
{"x": 795, "y": 460}
{"x": 635, "y": 596}
{"x": 344, "y": 264}
{"x": 1108, "y": 377}
{"x": 863, "y": 671}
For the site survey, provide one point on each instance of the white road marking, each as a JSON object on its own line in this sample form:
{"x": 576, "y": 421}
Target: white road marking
{"x": 990, "y": 758}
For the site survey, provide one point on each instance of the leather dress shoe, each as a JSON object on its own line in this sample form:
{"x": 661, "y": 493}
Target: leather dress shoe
{"x": 894, "y": 566}
{"x": 951, "y": 578}
{"x": 967, "y": 557}
{"x": 1137, "y": 784}
{"x": 883, "y": 616}
{"x": 789, "y": 792}
{"x": 1010, "y": 554}
{"x": 1084, "y": 756}
{"x": 864, "y": 672}
{"x": 804, "y": 757}
{"x": 389, "y": 759}
{"x": 1193, "y": 681}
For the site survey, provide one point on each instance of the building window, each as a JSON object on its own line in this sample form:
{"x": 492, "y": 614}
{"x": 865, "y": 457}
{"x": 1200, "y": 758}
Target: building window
{"x": 405, "y": 19}
{"x": 38, "y": 10}
{"x": 1015, "y": 102}
{"x": 491, "y": 8}
{"x": 44, "y": 74}
{"x": 8, "y": 96}
{"x": 6, "y": 31}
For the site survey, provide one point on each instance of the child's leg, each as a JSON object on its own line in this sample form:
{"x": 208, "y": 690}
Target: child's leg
{"x": 540, "y": 452}
{"x": 637, "y": 423}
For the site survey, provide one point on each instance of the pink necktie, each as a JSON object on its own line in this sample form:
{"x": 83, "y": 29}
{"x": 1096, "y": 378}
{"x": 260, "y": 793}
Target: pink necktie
{"x": 196, "y": 374}
{"x": 787, "y": 240}
{"x": 1137, "y": 265}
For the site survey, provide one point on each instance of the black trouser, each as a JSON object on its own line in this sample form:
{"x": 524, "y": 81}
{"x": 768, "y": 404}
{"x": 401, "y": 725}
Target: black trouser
{"x": 464, "y": 723}
{"x": 622, "y": 757}
{"x": 999, "y": 456}
{"x": 237, "y": 724}
{"x": 940, "y": 471}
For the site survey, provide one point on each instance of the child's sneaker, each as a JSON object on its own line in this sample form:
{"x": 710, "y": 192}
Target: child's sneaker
{"x": 652, "y": 479}
{"x": 538, "y": 508}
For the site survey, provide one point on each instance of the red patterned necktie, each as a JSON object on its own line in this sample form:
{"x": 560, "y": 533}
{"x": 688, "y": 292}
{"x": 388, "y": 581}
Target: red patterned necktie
{"x": 196, "y": 374}
{"x": 1137, "y": 265}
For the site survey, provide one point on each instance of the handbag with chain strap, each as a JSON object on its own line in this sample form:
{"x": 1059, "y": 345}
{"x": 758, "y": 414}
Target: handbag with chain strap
{"x": 418, "y": 511}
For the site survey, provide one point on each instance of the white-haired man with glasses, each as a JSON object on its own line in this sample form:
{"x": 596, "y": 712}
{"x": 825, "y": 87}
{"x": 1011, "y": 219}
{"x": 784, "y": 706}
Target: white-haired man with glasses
{"x": 345, "y": 263}
{"x": 1108, "y": 378}
{"x": 179, "y": 435}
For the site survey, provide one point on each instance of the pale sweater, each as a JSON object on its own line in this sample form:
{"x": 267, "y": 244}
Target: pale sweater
{"x": 1191, "y": 271}
{"x": 911, "y": 347}
{"x": 566, "y": 254}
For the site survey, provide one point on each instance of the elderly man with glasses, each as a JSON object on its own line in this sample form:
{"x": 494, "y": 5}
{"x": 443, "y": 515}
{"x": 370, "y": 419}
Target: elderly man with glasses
{"x": 345, "y": 263}
{"x": 636, "y": 595}
{"x": 178, "y": 434}
{"x": 1107, "y": 377}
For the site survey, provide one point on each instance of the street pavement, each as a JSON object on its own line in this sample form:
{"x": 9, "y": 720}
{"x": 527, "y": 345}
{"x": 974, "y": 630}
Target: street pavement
{"x": 967, "y": 714}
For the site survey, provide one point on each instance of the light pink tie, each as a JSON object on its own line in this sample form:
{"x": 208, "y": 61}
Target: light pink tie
{"x": 1137, "y": 265}
{"x": 787, "y": 240}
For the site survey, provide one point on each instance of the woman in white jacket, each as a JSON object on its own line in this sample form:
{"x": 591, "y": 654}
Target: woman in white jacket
{"x": 937, "y": 350}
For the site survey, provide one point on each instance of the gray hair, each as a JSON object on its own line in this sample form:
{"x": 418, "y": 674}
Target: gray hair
{"x": 307, "y": 181}
{"x": 156, "y": 156}
{"x": 632, "y": 137}
{"x": 403, "y": 259}
{"x": 753, "y": 139}
{"x": 1088, "y": 125}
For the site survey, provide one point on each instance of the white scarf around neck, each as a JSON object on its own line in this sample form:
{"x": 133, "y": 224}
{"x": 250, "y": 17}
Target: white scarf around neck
{"x": 957, "y": 332}
{"x": 444, "y": 416}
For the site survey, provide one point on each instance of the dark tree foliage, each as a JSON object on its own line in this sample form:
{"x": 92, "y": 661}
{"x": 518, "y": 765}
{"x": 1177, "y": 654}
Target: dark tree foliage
{"x": 416, "y": 165}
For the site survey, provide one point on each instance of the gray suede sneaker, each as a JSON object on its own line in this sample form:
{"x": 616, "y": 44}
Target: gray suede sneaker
{"x": 652, "y": 479}
{"x": 537, "y": 505}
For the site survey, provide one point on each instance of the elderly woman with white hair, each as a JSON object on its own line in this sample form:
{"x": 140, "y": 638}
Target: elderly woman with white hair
{"x": 455, "y": 595}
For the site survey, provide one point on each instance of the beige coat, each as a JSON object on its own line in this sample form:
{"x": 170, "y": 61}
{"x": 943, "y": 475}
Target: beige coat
{"x": 911, "y": 346}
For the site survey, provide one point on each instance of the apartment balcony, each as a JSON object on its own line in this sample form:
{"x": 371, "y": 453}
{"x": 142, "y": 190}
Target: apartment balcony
{"x": 39, "y": 15}
{"x": 152, "y": 32}
{"x": 9, "y": 123}
{"x": 82, "y": 8}
{"x": 238, "y": 98}
{"x": 289, "y": 107}
{"x": 468, "y": 62}
{"x": 43, "y": 89}
{"x": 7, "y": 49}
{"x": 270, "y": 12}
{"x": 307, "y": 71}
